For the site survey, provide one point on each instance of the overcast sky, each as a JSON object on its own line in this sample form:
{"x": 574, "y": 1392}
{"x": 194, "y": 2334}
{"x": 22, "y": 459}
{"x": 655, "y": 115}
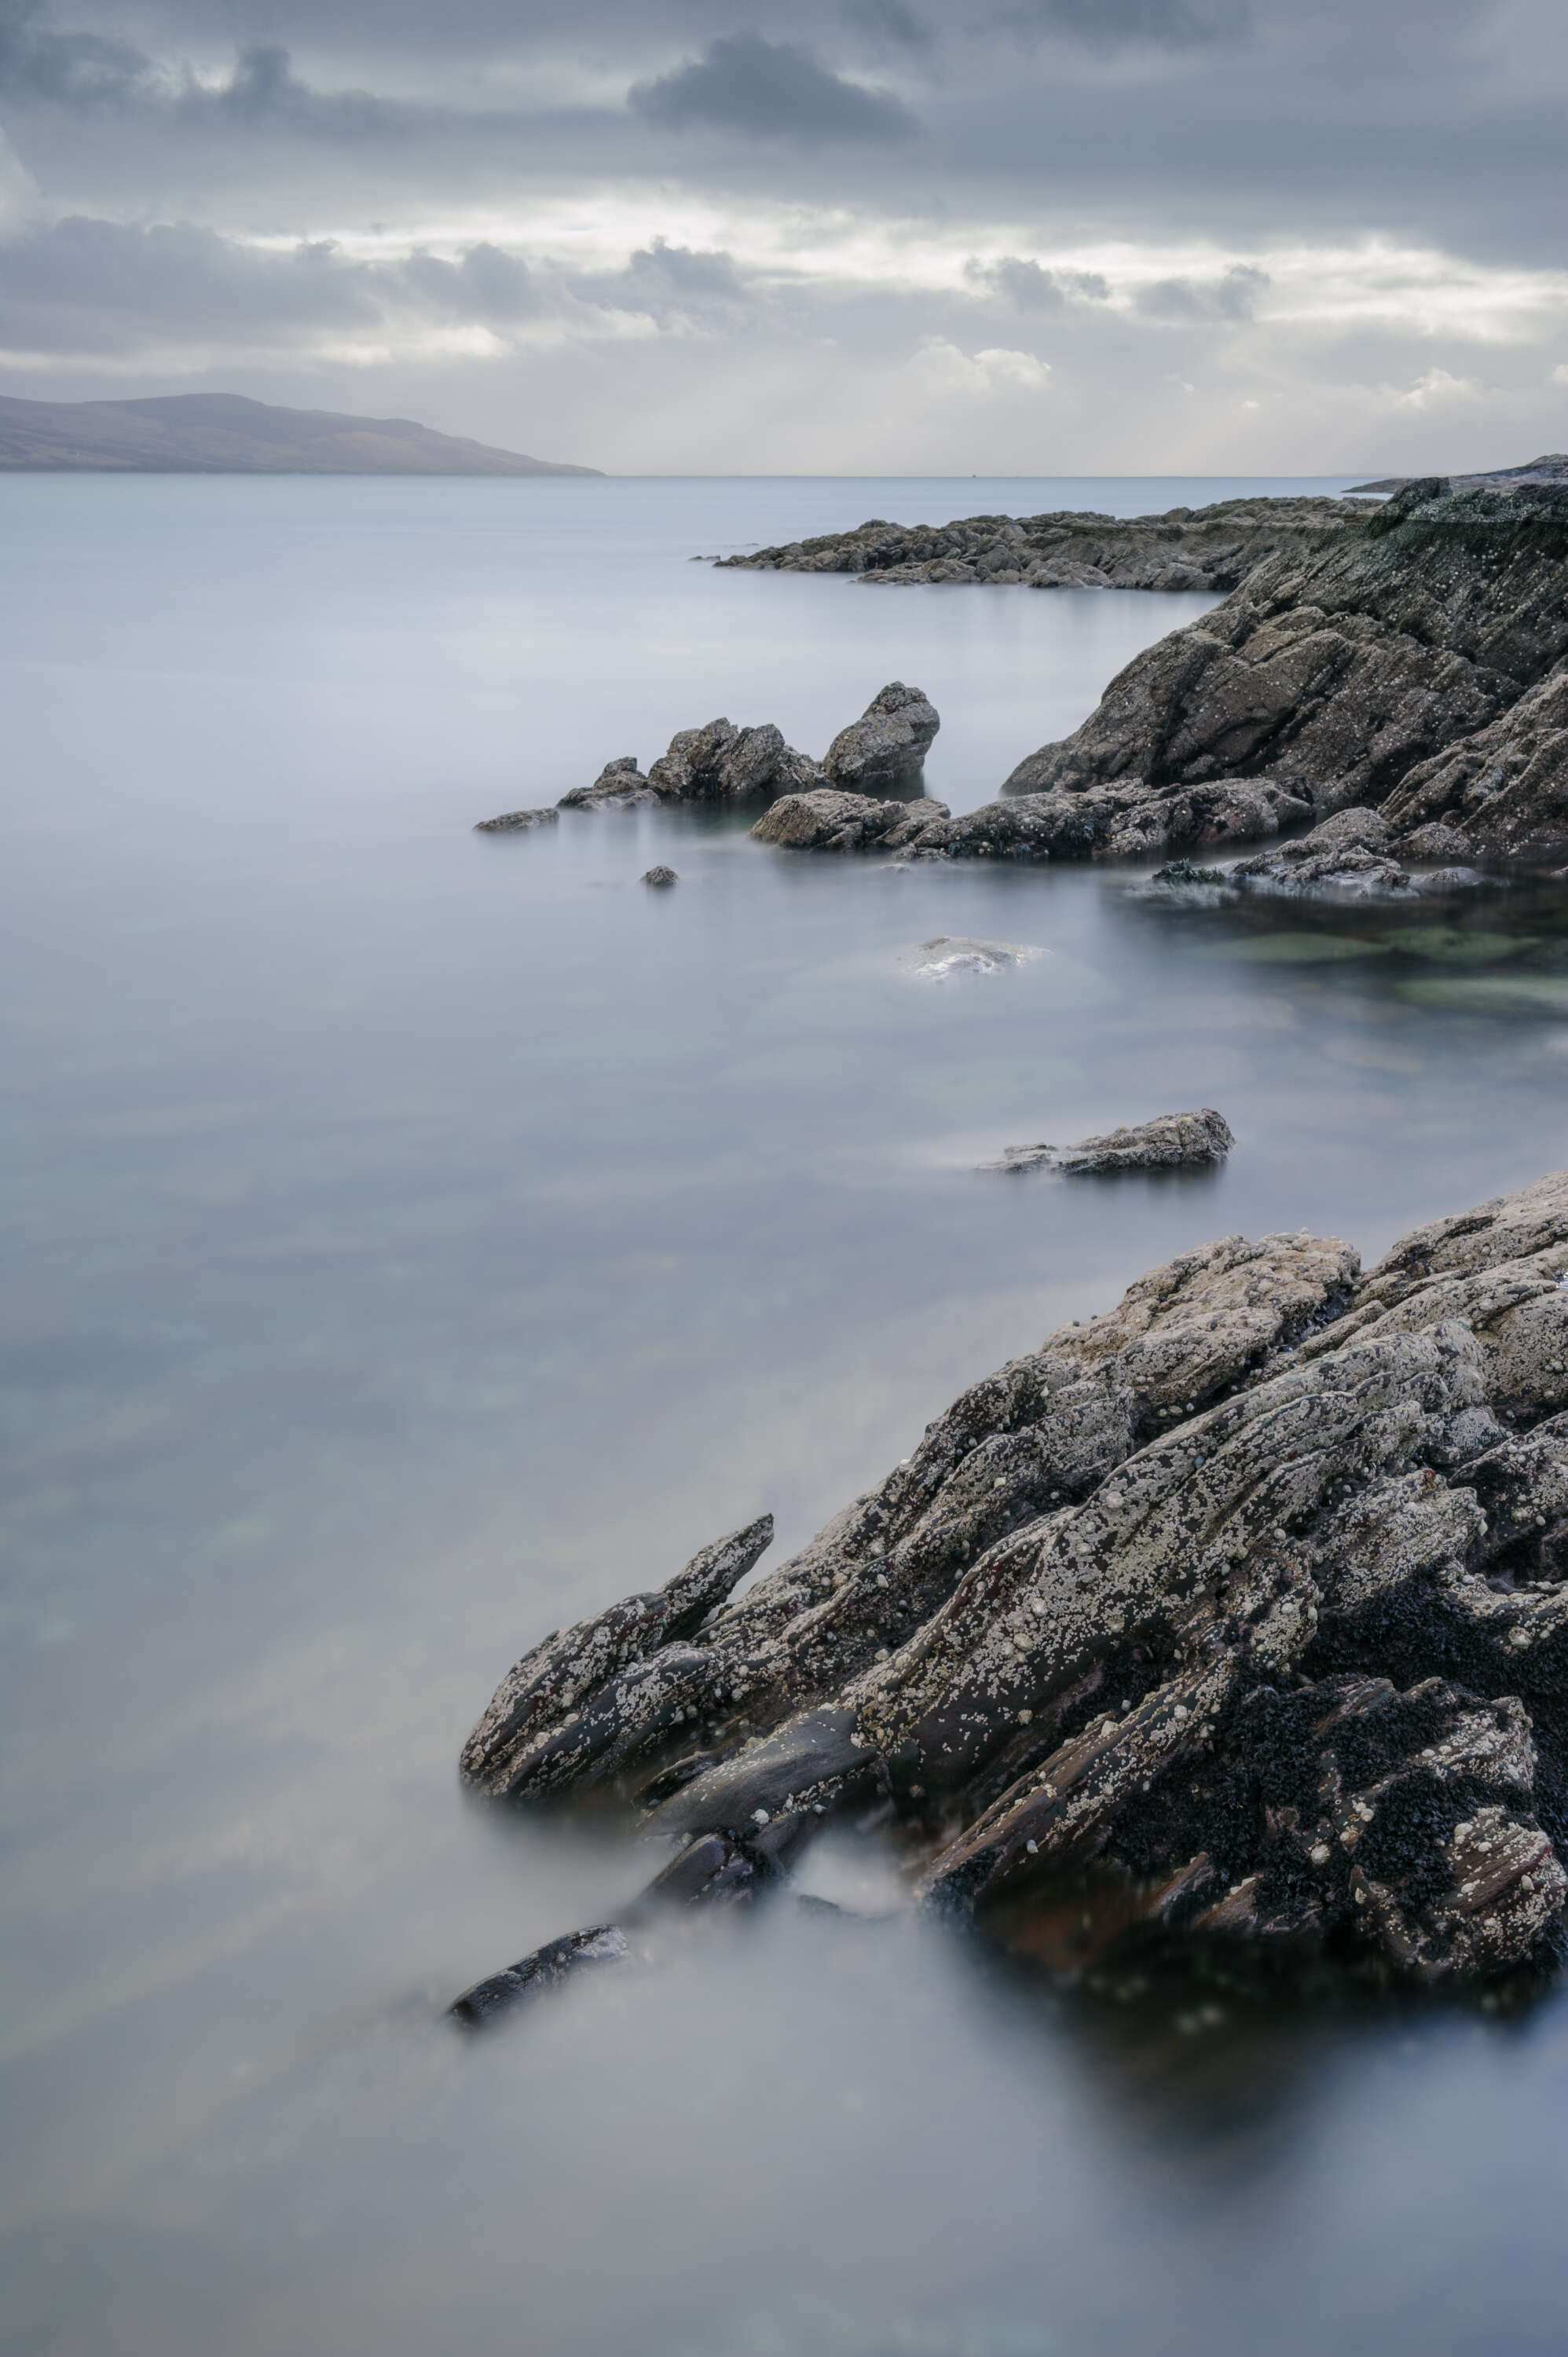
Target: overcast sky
{"x": 834, "y": 236}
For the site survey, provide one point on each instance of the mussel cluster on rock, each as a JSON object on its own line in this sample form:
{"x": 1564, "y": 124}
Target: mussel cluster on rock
{"x": 1251, "y": 1594}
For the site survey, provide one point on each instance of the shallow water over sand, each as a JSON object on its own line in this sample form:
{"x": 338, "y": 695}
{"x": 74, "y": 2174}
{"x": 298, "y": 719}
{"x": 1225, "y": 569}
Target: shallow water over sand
{"x": 417, "y": 1239}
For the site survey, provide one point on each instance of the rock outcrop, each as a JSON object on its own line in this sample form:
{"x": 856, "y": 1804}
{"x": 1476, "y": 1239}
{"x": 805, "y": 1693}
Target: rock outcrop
{"x": 887, "y": 745}
{"x": 514, "y": 822}
{"x": 828, "y": 820}
{"x": 620, "y": 785}
{"x": 1172, "y": 1141}
{"x": 1186, "y": 548}
{"x": 880, "y": 753}
{"x": 1349, "y": 858}
{"x": 1251, "y": 1594}
{"x": 722, "y": 763}
{"x": 1414, "y": 662}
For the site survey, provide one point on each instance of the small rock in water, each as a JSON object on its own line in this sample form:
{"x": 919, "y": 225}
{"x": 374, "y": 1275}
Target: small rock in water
{"x": 511, "y": 822}
{"x": 660, "y": 876}
{"x": 1171, "y": 1141}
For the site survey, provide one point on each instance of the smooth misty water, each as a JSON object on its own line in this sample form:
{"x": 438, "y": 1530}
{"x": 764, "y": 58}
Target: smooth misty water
{"x": 418, "y": 1238}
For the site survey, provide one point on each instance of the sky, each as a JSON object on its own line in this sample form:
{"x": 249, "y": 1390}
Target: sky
{"x": 808, "y": 236}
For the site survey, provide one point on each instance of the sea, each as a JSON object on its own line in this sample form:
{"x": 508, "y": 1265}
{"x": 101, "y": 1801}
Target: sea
{"x": 416, "y": 1239}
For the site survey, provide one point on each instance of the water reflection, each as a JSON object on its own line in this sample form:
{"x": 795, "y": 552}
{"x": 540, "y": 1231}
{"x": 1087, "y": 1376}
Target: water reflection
{"x": 419, "y": 1238}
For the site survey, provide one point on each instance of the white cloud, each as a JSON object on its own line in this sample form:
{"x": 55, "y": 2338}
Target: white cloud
{"x": 944, "y": 368}
{"x": 1437, "y": 390}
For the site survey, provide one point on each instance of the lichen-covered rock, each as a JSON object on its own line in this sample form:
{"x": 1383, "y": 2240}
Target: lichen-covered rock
{"x": 1505, "y": 787}
{"x": 1415, "y": 659}
{"x": 1170, "y": 1141}
{"x": 722, "y": 763}
{"x": 1252, "y": 1593}
{"x": 1118, "y": 824}
{"x": 828, "y": 820}
{"x": 886, "y": 746}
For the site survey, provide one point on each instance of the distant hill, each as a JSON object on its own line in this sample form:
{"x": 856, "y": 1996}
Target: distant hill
{"x": 1551, "y": 468}
{"x": 224, "y": 433}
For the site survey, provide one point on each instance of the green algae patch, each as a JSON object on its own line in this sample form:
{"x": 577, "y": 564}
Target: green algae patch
{"x": 1489, "y": 994}
{"x": 1453, "y": 945}
{"x": 1293, "y": 949}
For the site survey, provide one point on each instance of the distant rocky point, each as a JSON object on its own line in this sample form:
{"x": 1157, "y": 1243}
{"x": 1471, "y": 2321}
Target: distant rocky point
{"x": 224, "y": 433}
{"x": 1185, "y": 548}
{"x": 1551, "y": 468}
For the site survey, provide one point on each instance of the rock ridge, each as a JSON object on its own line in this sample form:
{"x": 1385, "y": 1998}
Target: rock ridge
{"x": 1250, "y": 1593}
{"x": 1185, "y": 548}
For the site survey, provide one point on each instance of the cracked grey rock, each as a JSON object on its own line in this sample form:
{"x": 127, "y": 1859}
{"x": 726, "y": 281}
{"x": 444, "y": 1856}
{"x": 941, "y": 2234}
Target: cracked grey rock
{"x": 1252, "y": 1593}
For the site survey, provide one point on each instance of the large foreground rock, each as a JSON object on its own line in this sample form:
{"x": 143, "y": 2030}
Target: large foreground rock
{"x": 1414, "y": 662}
{"x": 1252, "y": 1593}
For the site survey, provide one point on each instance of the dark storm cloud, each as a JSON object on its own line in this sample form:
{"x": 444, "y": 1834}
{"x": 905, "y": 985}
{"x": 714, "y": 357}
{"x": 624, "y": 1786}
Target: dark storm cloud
{"x": 1112, "y": 24}
{"x": 670, "y": 284}
{"x": 64, "y": 68}
{"x": 888, "y": 21}
{"x": 91, "y": 287}
{"x": 769, "y": 90}
{"x": 1032, "y": 288}
{"x": 264, "y": 91}
{"x": 1185, "y": 302}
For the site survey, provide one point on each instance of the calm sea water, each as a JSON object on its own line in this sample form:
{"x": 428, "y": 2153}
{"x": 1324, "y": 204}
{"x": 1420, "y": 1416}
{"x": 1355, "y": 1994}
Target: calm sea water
{"x": 416, "y": 1239}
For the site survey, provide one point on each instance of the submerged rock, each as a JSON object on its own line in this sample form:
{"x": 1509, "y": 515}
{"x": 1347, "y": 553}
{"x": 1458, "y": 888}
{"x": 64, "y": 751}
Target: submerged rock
{"x": 662, "y": 876}
{"x": 620, "y": 785}
{"x": 887, "y": 745}
{"x": 1252, "y": 1593}
{"x": 512, "y": 822}
{"x": 947, "y": 954}
{"x": 1171, "y": 1141}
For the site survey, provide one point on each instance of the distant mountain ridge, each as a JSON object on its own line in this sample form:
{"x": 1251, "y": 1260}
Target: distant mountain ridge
{"x": 225, "y": 434}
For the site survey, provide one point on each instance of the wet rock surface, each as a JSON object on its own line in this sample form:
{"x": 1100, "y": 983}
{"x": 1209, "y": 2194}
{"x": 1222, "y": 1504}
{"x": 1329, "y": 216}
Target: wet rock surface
{"x": 828, "y": 820}
{"x": 1349, "y": 858}
{"x": 1171, "y": 1141}
{"x": 1251, "y": 1594}
{"x": 661, "y": 876}
{"x": 515, "y": 822}
{"x": 620, "y": 785}
{"x": 887, "y": 745}
{"x": 1185, "y": 548}
{"x": 1414, "y": 661}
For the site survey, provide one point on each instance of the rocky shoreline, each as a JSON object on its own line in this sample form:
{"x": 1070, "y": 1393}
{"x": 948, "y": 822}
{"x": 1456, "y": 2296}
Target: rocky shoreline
{"x": 1402, "y": 672}
{"x": 1249, "y": 1597}
{"x": 1185, "y": 548}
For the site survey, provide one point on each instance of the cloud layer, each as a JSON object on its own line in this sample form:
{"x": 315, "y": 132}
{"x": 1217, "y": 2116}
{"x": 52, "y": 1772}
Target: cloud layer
{"x": 1016, "y": 235}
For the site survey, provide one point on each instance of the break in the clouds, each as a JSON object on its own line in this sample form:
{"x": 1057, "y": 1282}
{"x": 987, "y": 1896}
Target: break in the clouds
{"x": 1016, "y": 235}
